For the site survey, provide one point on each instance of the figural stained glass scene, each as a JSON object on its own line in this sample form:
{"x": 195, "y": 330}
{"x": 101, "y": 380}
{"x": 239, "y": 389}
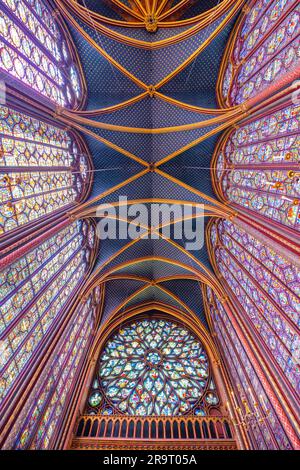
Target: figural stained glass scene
{"x": 149, "y": 225}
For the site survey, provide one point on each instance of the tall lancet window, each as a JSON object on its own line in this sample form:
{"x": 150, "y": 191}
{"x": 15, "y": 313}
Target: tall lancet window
{"x": 35, "y": 292}
{"x": 256, "y": 165}
{"x": 36, "y": 54}
{"x": 263, "y": 48}
{"x": 264, "y": 286}
{"x": 43, "y": 169}
{"x": 153, "y": 367}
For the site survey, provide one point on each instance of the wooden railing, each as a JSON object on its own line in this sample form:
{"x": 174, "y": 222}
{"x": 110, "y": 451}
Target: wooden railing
{"x": 150, "y": 428}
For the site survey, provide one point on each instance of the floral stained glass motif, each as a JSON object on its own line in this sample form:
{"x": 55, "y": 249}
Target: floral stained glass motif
{"x": 266, "y": 434}
{"x": 44, "y": 408}
{"x": 257, "y": 166}
{"x": 152, "y": 367}
{"x": 266, "y": 47}
{"x": 266, "y": 287}
{"x": 44, "y": 63}
{"x": 34, "y": 291}
{"x": 42, "y": 169}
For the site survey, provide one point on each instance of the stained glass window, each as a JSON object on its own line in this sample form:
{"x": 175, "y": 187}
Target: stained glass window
{"x": 44, "y": 409}
{"x": 152, "y": 367}
{"x": 42, "y": 169}
{"x": 265, "y": 48}
{"x": 35, "y": 52}
{"x": 257, "y": 164}
{"x": 266, "y": 434}
{"x": 34, "y": 290}
{"x": 265, "y": 286}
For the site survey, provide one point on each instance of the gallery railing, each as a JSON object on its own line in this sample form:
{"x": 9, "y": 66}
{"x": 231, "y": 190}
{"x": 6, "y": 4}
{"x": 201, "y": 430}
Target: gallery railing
{"x": 126, "y": 427}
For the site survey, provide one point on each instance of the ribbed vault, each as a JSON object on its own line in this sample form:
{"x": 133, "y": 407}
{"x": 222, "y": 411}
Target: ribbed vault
{"x": 151, "y": 123}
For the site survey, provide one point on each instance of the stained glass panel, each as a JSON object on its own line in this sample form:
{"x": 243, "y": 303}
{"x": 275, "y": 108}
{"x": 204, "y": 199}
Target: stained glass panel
{"x": 266, "y": 286}
{"x": 43, "y": 410}
{"x": 34, "y": 290}
{"x": 266, "y": 47}
{"x": 34, "y": 51}
{"x": 259, "y": 166}
{"x": 42, "y": 169}
{"x": 152, "y": 367}
{"x": 266, "y": 434}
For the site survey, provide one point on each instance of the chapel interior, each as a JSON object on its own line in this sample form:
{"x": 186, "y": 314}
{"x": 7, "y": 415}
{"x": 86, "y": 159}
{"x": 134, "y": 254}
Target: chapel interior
{"x": 141, "y": 342}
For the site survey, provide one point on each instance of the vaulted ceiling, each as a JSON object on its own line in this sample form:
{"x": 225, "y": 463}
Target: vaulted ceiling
{"x": 151, "y": 270}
